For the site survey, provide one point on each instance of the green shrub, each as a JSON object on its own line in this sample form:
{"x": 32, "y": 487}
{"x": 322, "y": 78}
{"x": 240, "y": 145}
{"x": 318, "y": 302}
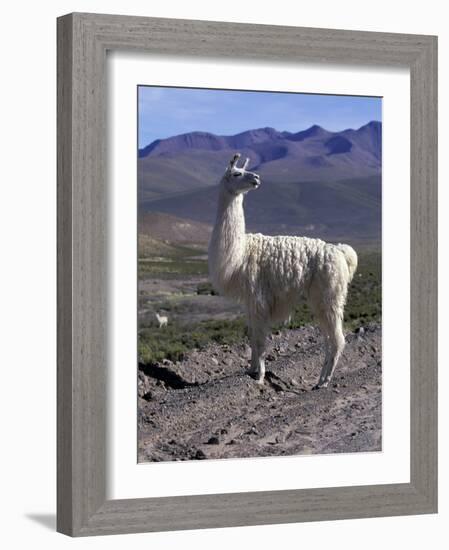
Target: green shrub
{"x": 174, "y": 341}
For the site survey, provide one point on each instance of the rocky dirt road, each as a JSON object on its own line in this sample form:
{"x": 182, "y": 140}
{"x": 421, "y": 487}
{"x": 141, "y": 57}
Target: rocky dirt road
{"x": 207, "y": 407}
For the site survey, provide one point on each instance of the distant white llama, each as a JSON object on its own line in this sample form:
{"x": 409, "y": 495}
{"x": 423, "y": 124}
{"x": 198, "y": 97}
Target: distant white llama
{"x": 162, "y": 320}
{"x": 269, "y": 274}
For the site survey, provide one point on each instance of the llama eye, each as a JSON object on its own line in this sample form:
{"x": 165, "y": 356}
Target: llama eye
{"x": 237, "y": 175}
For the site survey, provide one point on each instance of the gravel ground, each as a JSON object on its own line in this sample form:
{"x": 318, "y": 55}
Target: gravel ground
{"x": 207, "y": 407}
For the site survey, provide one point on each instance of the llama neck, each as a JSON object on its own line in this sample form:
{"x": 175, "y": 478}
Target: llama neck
{"x": 227, "y": 243}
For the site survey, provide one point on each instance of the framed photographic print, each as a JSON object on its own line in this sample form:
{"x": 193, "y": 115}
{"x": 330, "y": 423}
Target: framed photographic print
{"x": 246, "y": 274}
{"x": 314, "y": 183}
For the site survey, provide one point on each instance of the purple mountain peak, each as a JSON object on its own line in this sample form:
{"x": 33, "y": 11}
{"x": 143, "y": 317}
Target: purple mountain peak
{"x": 268, "y": 144}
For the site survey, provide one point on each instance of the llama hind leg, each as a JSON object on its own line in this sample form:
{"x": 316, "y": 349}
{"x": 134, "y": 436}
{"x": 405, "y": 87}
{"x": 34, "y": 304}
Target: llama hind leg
{"x": 337, "y": 344}
{"x": 332, "y": 327}
{"x": 258, "y": 344}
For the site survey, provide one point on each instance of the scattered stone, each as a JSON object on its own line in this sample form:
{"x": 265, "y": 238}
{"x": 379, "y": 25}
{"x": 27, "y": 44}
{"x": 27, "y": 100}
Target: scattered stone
{"x": 246, "y": 353}
{"x": 200, "y": 455}
{"x": 143, "y": 385}
{"x": 214, "y": 440}
{"x": 283, "y": 348}
{"x": 214, "y": 360}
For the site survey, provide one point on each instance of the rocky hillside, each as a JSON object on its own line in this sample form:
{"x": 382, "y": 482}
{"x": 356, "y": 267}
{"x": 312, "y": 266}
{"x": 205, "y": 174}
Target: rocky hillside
{"x": 314, "y": 182}
{"x": 173, "y": 229}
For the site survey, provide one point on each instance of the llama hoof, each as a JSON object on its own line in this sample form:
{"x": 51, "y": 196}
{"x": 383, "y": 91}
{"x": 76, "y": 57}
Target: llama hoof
{"x": 319, "y": 386}
{"x": 257, "y": 377}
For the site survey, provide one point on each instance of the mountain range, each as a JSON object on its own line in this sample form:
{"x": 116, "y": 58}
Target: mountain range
{"x": 314, "y": 181}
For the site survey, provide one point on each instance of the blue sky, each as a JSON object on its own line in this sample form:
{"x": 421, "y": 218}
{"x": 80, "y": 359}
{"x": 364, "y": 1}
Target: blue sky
{"x": 165, "y": 112}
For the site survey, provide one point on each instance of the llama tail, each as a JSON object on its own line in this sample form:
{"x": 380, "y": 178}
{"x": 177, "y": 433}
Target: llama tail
{"x": 350, "y": 257}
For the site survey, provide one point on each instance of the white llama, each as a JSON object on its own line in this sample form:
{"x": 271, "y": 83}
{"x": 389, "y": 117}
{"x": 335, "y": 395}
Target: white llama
{"x": 162, "y": 320}
{"x": 269, "y": 274}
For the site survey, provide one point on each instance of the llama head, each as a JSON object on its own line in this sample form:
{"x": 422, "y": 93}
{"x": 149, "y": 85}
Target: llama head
{"x": 238, "y": 180}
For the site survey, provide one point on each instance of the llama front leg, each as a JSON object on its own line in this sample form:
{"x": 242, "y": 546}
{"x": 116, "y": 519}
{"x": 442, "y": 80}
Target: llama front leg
{"x": 258, "y": 344}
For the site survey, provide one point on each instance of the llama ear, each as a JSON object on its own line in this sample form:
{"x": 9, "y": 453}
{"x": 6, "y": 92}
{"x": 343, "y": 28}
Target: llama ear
{"x": 234, "y": 160}
{"x": 246, "y": 163}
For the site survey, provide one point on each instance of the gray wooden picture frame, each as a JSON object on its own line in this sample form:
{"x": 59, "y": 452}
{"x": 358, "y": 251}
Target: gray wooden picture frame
{"x": 83, "y": 40}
